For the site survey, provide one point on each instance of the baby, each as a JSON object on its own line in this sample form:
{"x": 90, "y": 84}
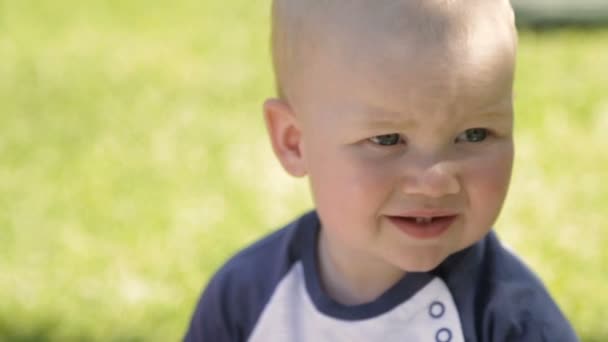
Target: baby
{"x": 400, "y": 112}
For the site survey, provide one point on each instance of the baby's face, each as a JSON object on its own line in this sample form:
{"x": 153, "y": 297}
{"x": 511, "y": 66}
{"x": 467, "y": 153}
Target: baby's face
{"x": 409, "y": 156}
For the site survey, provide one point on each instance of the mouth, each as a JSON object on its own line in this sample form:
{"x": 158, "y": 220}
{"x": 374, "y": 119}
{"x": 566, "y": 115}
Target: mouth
{"x": 423, "y": 227}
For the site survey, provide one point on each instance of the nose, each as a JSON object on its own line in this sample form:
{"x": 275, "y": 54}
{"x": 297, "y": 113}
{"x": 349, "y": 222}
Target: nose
{"x": 434, "y": 180}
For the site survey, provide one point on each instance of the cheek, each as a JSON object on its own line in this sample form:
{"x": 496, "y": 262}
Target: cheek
{"x": 346, "y": 182}
{"x": 367, "y": 178}
{"x": 488, "y": 180}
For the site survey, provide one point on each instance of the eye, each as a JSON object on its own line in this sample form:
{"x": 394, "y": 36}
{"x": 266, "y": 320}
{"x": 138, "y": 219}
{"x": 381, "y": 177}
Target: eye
{"x": 387, "y": 139}
{"x": 473, "y": 135}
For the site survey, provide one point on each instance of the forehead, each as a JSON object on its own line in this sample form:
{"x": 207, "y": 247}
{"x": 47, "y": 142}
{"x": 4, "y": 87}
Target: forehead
{"x": 427, "y": 80}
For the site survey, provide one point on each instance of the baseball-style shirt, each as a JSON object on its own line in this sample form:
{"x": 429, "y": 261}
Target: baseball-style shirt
{"x": 271, "y": 291}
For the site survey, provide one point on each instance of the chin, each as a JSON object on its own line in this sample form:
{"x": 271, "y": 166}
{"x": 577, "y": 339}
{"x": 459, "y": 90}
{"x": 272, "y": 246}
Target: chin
{"x": 422, "y": 264}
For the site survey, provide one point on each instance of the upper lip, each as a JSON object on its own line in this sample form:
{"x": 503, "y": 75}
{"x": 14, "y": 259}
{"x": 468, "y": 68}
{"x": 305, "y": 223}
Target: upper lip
{"x": 426, "y": 213}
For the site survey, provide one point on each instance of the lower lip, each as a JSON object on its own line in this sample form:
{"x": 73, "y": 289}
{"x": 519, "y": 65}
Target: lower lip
{"x": 423, "y": 230}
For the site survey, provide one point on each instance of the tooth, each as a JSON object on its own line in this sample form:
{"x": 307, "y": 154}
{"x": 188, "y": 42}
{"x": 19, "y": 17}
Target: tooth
{"x": 421, "y": 220}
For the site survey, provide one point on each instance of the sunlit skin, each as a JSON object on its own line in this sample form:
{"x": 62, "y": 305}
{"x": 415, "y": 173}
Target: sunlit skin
{"x": 383, "y": 134}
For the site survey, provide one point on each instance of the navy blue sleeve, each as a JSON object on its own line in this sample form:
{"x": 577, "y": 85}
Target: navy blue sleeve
{"x": 235, "y": 297}
{"x": 212, "y": 320}
{"x": 527, "y": 314}
{"x": 500, "y": 299}
{"x": 230, "y": 306}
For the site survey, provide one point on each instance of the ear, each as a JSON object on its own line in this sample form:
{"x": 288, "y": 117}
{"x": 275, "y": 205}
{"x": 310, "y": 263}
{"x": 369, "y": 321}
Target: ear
{"x": 285, "y": 136}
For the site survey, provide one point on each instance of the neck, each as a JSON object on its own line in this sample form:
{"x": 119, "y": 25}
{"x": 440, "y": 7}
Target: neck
{"x": 351, "y": 277}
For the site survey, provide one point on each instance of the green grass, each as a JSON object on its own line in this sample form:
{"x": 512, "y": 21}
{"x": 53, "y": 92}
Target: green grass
{"x": 133, "y": 161}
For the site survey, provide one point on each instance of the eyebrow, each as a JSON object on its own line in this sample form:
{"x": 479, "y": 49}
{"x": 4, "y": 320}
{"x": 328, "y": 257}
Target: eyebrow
{"x": 388, "y": 122}
{"x": 378, "y": 118}
{"x": 499, "y": 110}
{"x": 495, "y": 113}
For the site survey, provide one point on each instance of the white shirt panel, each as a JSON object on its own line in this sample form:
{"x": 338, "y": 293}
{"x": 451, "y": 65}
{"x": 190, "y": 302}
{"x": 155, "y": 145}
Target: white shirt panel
{"x": 290, "y": 315}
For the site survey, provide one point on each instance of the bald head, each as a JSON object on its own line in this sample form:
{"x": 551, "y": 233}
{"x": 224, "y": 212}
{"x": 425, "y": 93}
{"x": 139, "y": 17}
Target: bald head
{"x": 305, "y": 32}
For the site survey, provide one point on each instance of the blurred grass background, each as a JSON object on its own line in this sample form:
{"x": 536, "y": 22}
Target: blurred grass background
{"x": 133, "y": 162}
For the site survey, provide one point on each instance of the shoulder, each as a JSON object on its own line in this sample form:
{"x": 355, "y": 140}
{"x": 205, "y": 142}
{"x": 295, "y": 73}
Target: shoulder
{"x": 501, "y": 299}
{"x": 236, "y": 295}
{"x": 519, "y": 306}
